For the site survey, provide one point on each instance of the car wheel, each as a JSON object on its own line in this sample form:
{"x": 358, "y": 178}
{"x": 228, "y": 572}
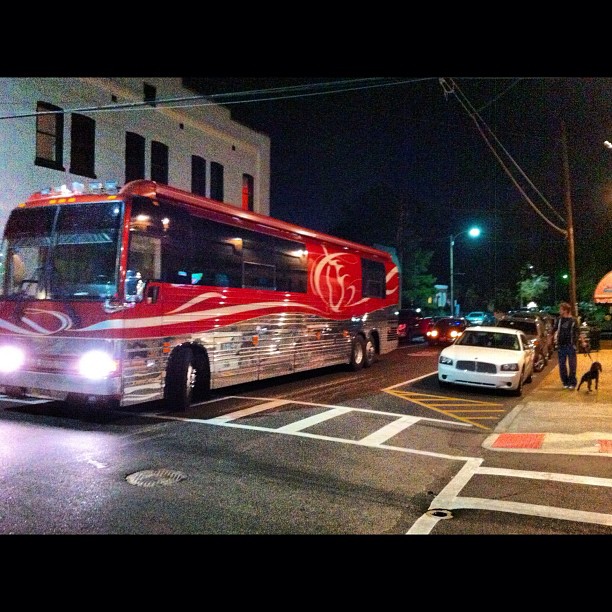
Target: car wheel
{"x": 443, "y": 384}
{"x": 519, "y": 389}
{"x": 540, "y": 362}
{"x": 358, "y": 352}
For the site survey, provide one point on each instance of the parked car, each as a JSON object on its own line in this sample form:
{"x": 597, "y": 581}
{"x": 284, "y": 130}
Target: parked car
{"x": 479, "y": 317}
{"x": 411, "y": 324}
{"x": 425, "y": 324}
{"x": 533, "y": 328}
{"x": 408, "y": 324}
{"x": 548, "y": 321}
{"x": 488, "y": 357}
{"x": 446, "y": 330}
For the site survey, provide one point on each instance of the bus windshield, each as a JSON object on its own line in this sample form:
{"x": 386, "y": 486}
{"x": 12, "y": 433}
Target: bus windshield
{"x": 61, "y": 252}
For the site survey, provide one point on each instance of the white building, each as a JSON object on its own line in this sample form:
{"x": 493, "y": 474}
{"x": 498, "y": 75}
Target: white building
{"x": 56, "y": 131}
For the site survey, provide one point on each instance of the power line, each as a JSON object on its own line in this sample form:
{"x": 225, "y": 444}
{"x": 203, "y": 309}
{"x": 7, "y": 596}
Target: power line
{"x": 450, "y": 87}
{"x": 271, "y": 94}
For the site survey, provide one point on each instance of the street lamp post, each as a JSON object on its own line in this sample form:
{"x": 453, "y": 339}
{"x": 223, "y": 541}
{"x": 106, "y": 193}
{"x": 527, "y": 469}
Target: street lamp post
{"x": 473, "y": 232}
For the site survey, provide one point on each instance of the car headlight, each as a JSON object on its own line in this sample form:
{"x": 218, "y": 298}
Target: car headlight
{"x": 96, "y": 365}
{"x": 11, "y": 358}
{"x": 510, "y": 367}
{"x": 445, "y": 360}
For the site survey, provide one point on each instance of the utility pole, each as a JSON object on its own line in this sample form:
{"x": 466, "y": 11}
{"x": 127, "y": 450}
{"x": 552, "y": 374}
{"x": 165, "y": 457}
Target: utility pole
{"x": 452, "y": 278}
{"x": 399, "y": 240}
{"x": 570, "y": 223}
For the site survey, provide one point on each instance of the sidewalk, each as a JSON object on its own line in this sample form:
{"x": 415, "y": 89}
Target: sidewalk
{"x": 552, "y": 419}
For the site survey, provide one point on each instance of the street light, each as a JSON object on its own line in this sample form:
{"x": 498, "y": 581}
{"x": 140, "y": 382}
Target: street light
{"x": 474, "y": 232}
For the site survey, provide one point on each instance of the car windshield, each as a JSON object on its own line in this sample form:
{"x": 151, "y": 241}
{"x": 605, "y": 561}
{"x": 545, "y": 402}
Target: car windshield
{"x": 56, "y": 252}
{"x": 483, "y": 339}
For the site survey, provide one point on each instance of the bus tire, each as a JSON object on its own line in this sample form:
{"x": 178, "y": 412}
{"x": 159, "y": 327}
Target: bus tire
{"x": 369, "y": 352}
{"x": 358, "y": 352}
{"x": 180, "y": 380}
{"x": 201, "y": 389}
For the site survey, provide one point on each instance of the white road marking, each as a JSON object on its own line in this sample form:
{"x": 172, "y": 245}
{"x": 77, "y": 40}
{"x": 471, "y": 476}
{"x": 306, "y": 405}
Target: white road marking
{"x": 388, "y": 431}
{"x": 247, "y": 412}
{"x": 412, "y": 380}
{"x": 313, "y": 420}
{"x": 449, "y": 498}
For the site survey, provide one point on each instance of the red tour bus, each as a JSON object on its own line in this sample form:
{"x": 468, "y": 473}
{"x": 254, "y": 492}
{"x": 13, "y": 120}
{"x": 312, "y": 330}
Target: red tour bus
{"x": 152, "y": 293}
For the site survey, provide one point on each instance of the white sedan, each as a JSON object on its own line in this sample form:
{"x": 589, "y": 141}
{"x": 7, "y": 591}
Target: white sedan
{"x": 488, "y": 357}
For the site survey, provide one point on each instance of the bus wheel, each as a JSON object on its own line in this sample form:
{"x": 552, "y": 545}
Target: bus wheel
{"x": 180, "y": 380}
{"x": 201, "y": 389}
{"x": 358, "y": 351}
{"x": 370, "y": 353}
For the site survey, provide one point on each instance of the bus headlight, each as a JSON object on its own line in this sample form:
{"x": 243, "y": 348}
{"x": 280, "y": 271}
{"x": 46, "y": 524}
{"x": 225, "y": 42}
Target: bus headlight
{"x": 96, "y": 365}
{"x": 11, "y": 358}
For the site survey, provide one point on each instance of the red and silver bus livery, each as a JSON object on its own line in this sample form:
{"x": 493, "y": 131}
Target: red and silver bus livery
{"x": 150, "y": 292}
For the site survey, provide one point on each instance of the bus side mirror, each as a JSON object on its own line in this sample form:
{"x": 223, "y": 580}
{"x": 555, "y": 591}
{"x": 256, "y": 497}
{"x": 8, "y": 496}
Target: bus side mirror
{"x": 134, "y": 286}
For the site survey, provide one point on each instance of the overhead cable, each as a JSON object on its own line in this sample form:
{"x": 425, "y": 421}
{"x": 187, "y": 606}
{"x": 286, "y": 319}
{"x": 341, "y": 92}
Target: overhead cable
{"x": 450, "y": 86}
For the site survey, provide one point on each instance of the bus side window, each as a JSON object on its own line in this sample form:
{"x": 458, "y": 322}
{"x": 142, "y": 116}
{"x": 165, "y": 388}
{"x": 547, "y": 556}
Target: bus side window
{"x": 374, "y": 283}
{"x": 144, "y": 263}
{"x": 18, "y": 270}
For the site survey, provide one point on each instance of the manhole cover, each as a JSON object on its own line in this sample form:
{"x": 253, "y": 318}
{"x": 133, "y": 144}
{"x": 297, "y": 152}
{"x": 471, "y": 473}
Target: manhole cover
{"x": 441, "y": 514}
{"x": 155, "y": 478}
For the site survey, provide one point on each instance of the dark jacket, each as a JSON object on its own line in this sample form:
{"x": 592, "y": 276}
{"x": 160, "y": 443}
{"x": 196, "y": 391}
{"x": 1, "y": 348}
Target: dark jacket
{"x": 566, "y": 331}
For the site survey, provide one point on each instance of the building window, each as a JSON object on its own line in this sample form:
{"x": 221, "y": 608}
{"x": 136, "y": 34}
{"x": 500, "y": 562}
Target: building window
{"x": 159, "y": 162}
{"x": 82, "y": 145}
{"x": 134, "y": 157}
{"x": 216, "y": 181}
{"x": 49, "y": 136}
{"x": 198, "y": 175}
{"x": 247, "y": 192}
{"x": 149, "y": 94}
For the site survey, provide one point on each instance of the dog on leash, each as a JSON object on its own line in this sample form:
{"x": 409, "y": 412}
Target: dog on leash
{"x": 590, "y": 376}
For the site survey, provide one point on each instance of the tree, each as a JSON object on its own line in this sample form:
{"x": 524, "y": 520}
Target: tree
{"x": 530, "y": 289}
{"x": 418, "y": 286}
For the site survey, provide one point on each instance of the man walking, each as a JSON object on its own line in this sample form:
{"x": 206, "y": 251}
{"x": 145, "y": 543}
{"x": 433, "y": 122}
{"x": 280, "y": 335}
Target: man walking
{"x": 566, "y": 337}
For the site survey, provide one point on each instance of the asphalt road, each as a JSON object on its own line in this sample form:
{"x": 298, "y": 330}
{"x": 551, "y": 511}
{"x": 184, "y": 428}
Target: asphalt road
{"x": 332, "y": 453}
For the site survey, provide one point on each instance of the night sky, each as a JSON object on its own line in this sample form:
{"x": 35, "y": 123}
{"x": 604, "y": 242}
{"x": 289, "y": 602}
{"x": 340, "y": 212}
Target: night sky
{"x": 328, "y": 148}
